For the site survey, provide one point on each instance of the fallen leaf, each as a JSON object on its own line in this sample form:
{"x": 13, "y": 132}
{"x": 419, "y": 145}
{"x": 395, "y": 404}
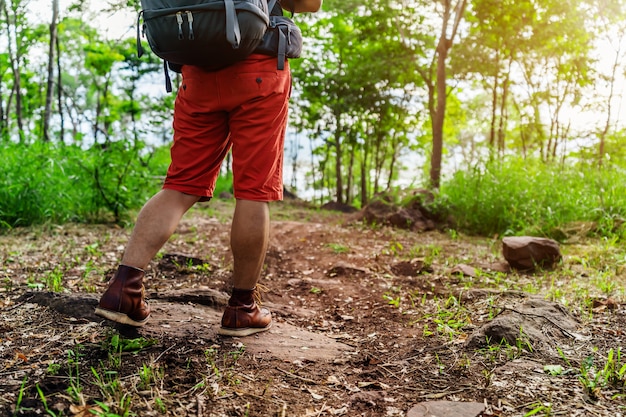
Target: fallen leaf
{"x": 315, "y": 395}
{"x": 332, "y": 380}
{"x": 85, "y": 410}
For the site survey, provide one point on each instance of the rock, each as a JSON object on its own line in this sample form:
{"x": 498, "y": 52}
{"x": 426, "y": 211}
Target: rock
{"x": 463, "y": 269}
{"x": 370, "y": 398}
{"x": 446, "y": 409}
{"x": 411, "y": 268}
{"x": 335, "y": 206}
{"x": 342, "y": 268}
{"x": 534, "y": 324}
{"x": 527, "y": 252}
{"x": 381, "y": 212}
{"x": 503, "y": 267}
{"x": 289, "y": 195}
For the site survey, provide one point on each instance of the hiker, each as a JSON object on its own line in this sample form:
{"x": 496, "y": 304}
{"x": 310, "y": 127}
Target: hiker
{"x": 244, "y": 108}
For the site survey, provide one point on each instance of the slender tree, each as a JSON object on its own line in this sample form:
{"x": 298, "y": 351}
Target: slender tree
{"x": 51, "y": 61}
{"x": 610, "y": 25}
{"x": 14, "y": 16}
{"x": 451, "y": 17}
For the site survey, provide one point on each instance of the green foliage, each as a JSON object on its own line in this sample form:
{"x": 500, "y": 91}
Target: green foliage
{"x": 529, "y": 197}
{"x": 356, "y": 98}
{"x": 55, "y": 183}
{"x": 49, "y": 183}
{"x": 224, "y": 184}
{"x": 595, "y": 377}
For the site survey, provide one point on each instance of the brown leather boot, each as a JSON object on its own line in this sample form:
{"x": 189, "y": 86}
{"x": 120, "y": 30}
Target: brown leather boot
{"x": 123, "y": 301}
{"x": 243, "y": 316}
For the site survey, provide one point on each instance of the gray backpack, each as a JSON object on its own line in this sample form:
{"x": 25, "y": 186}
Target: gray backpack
{"x": 212, "y": 34}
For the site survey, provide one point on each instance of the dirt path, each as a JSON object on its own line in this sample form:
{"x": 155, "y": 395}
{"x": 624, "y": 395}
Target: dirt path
{"x": 368, "y": 321}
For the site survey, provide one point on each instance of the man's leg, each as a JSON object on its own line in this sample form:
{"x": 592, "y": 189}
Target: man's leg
{"x": 249, "y": 237}
{"x": 123, "y": 301}
{"x": 155, "y": 224}
{"x": 248, "y": 240}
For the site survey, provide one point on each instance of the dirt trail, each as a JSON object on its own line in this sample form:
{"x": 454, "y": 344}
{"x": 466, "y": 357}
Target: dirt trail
{"x": 368, "y": 321}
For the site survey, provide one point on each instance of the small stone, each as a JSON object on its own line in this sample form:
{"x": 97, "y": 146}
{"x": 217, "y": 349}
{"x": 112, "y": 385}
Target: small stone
{"x": 446, "y": 409}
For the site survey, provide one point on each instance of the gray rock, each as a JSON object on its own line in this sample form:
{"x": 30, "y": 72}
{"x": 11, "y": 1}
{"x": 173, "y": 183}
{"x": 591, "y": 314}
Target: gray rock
{"x": 446, "y": 409}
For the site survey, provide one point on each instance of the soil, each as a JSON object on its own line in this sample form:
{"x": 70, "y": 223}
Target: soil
{"x": 368, "y": 321}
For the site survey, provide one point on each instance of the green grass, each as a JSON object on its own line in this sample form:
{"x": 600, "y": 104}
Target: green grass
{"x": 55, "y": 183}
{"x": 46, "y": 183}
{"x": 518, "y": 196}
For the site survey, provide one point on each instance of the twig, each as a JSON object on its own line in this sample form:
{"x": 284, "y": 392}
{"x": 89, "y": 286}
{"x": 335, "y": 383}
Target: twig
{"x": 307, "y": 380}
{"x": 283, "y": 410}
{"x": 439, "y": 395}
{"x": 200, "y": 399}
{"x": 321, "y": 410}
{"x": 163, "y": 353}
{"x": 13, "y": 307}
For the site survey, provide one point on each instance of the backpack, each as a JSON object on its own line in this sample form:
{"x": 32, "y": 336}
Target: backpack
{"x": 283, "y": 38}
{"x": 212, "y": 34}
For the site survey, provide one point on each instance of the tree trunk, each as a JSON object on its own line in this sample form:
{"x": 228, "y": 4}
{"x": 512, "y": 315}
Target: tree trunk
{"x": 313, "y": 169}
{"x": 443, "y": 47}
{"x": 392, "y": 160}
{"x": 338, "y": 162}
{"x": 60, "y": 91}
{"x": 350, "y": 178}
{"x": 50, "y": 87}
{"x": 607, "y": 124}
{"x": 364, "y": 192}
{"x": 494, "y": 117}
{"x": 4, "y": 131}
{"x": 503, "y": 115}
{"x": 14, "y": 62}
{"x": 440, "y": 114}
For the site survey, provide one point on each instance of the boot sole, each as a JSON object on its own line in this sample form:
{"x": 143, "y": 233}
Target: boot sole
{"x": 120, "y": 317}
{"x": 246, "y": 331}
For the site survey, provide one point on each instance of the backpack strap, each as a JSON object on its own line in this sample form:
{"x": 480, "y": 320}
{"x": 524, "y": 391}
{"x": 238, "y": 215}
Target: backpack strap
{"x": 233, "y": 34}
{"x": 168, "y": 80}
{"x": 139, "y": 47}
{"x": 282, "y": 50}
{"x": 282, "y": 38}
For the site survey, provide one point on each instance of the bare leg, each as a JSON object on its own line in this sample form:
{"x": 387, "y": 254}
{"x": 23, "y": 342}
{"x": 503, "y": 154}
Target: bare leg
{"x": 123, "y": 301}
{"x": 156, "y": 222}
{"x": 248, "y": 240}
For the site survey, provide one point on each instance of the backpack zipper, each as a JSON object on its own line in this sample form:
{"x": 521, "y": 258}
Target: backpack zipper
{"x": 190, "y": 20}
{"x": 180, "y": 21}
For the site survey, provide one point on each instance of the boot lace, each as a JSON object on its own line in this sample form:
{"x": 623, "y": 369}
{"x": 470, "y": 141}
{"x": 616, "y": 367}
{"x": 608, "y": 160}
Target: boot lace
{"x": 260, "y": 288}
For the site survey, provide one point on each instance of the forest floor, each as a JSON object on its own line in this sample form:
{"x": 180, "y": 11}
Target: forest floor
{"x": 368, "y": 321}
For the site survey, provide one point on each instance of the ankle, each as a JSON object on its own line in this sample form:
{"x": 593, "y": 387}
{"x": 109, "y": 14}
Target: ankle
{"x": 241, "y": 296}
{"x": 132, "y": 269}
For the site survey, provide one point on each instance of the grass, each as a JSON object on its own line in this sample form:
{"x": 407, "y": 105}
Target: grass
{"x": 520, "y": 196}
{"x": 56, "y": 183}
{"x": 49, "y": 183}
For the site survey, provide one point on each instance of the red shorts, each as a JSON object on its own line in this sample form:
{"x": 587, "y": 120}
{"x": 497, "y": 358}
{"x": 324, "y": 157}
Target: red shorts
{"x": 243, "y": 107}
